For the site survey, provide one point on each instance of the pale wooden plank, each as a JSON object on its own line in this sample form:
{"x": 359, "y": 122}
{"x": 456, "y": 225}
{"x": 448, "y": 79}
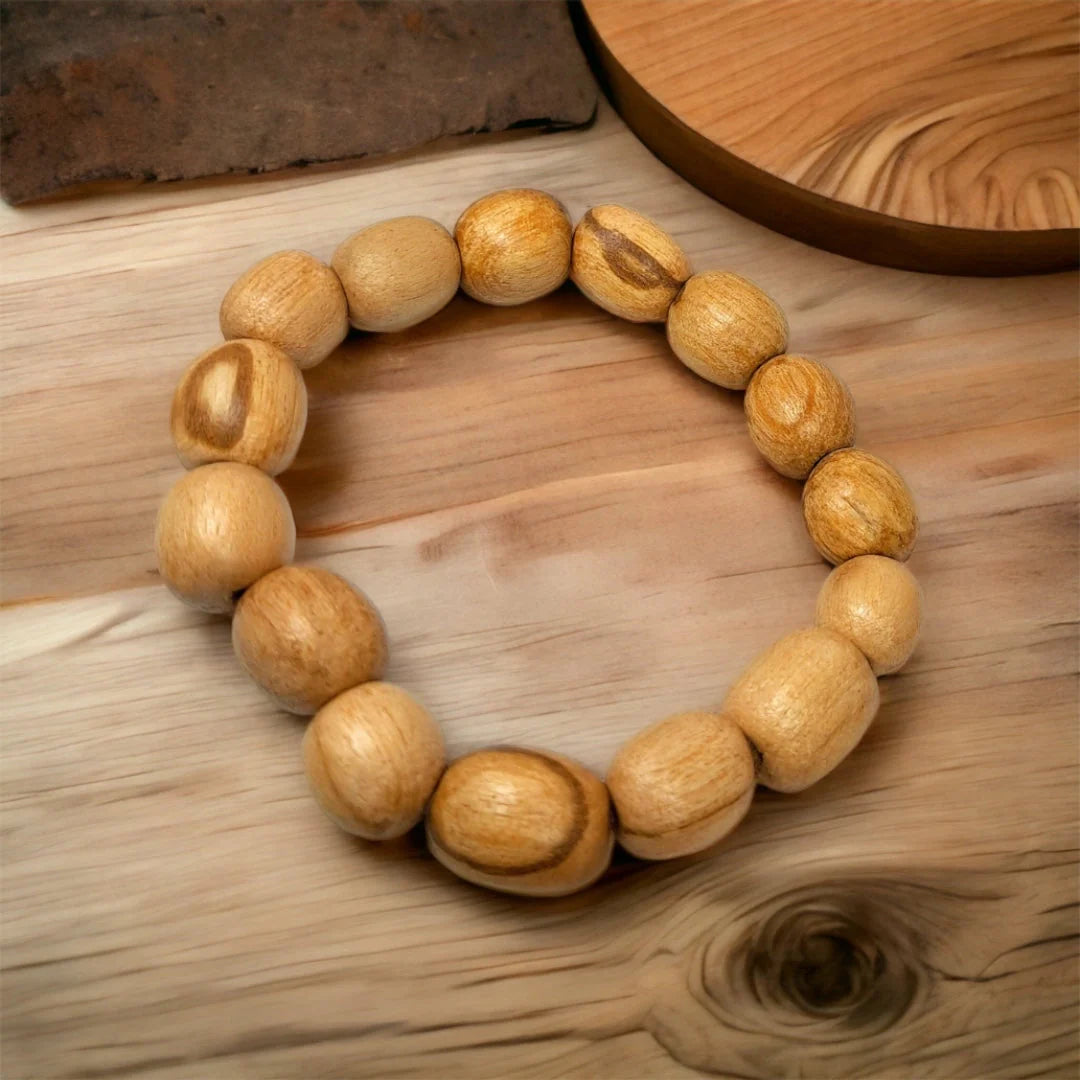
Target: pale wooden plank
{"x": 569, "y": 536}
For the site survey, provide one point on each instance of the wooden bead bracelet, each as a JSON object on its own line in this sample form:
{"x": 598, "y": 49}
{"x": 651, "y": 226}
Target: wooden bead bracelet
{"x": 522, "y": 820}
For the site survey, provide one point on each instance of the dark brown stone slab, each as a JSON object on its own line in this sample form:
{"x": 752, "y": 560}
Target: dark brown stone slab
{"x": 122, "y": 89}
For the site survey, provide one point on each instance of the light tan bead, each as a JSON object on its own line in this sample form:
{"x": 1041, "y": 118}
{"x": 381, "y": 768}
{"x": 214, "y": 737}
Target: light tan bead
{"x": 723, "y": 328}
{"x": 857, "y": 504}
{"x": 681, "y": 785}
{"x": 291, "y": 300}
{"x": 798, "y": 411}
{"x": 515, "y": 246}
{"x": 804, "y": 703}
{"x": 397, "y": 273}
{"x": 242, "y": 401}
{"x": 627, "y": 264}
{"x": 306, "y": 635}
{"x": 521, "y": 821}
{"x": 372, "y": 756}
{"x": 220, "y": 528}
{"x": 876, "y": 603}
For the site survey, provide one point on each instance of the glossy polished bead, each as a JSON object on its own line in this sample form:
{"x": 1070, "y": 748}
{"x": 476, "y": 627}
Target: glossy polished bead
{"x": 515, "y": 246}
{"x": 306, "y": 635}
{"x": 681, "y": 785}
{"x": 219, "y": 529}
{"x": 521, "y": 821}
{"x": 723, "y": 328}
{"x": 627, "y": 264}
{"x": 290, "y": 300}
{"x": 242, "y": 401}
{"x": 372, "y": 756}
{"x": 876, "y": 603}
{"x": 857, "y": 504}
{"x": 798, "y": 411}
{"x": 804, "y": 703}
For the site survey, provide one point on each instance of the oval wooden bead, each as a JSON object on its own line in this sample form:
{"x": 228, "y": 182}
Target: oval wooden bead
{"x": 515, "y": 246}
{"x": 397, "y": 273}
{"x": 681, "y": 785}
{"x": 798, "y": 411}
{"x": 856, "y": 504}
{"x": 521, "y": 821}
{"x": 876, "y": 603}
{"x": 220, "y": 528}
{"x": 723, "y": 328}
{"x": 242, "y": 401}
{"x": 804, "y": 704}
{"x": 627, "y": 264}
{"x": 306, "y": 635}
{"x": 372, "y": 756}
{"x": 290, "y": 300}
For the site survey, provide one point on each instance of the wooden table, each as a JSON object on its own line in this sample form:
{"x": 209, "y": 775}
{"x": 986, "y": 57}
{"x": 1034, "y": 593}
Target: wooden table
{"x": 569, "y": 535}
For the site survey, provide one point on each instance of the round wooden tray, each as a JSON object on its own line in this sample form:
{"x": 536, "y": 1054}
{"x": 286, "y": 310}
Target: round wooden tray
{"x": 925, "y": 134}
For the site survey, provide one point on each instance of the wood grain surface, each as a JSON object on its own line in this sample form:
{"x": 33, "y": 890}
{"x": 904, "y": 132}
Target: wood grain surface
{"x": 570, "y": 536}
{"x": 937, "y": 136}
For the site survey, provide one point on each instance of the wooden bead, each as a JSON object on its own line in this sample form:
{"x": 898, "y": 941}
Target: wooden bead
{"x": 857, "y": 504}
{"x": 397, "y": 273}
{"x": 515, "y": 246}
{"x": 521, "y": 821}
{"x": 876, "y": 603}
{"x": 798, "y": 411}
{"x": 723, "y": 328}
{"x": 291, "y": 300}
{"x": 242, "y": 401}
{"x": 220, "y": 528}
{"x": 681, "y": 785}
{"x": 306, "y": 635}
{"x": 372, "y": 756}
{"x": 804, "y": 704}
{"x": 627, "y": 264}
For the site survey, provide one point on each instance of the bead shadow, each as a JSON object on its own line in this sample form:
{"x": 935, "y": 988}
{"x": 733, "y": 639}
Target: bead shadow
{"x": 217, "y": 631}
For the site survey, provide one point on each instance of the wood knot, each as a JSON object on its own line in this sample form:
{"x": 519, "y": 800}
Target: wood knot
{"x": 816, "y": 972}
{"x": 831, "y": 957}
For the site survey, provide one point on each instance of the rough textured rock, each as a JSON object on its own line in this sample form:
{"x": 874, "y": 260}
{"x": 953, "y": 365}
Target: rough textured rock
{"x": 177, "y": 90}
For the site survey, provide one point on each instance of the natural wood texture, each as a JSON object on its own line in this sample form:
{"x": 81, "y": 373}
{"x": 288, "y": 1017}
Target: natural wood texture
{"x": 291, "y": 300}
{"x": 522, "y": 821}
{"x": 305, "y": 635}
{"x": 936, "y": 136}
{"x": 797, "y": 411}
{"x": 221, "y": 527}
{"x": 876, "y": 603}
{"x": 856, "y": 504}
{"x": 242, "y": 401}
{"x": 569, "y": 536}
{"x": 681, "y": 785}
{"x": 372, "y": 757}
{"x": 627, "y": 264}
{"x": 514, "y": 245}
{"x": 723, "y": 328}
{"x": 397, "y": 273}
{"x": 804, "y": 704}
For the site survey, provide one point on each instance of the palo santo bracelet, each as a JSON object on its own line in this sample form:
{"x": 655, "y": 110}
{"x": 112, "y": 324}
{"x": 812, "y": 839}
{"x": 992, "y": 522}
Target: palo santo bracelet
{"x": 514, "y": 819}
